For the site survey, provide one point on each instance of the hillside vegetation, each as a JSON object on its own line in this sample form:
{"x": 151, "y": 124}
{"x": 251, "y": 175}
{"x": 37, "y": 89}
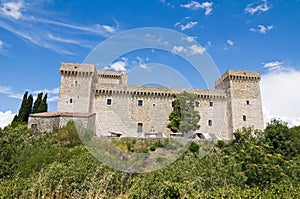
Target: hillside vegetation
{"x": 56, "y": 165}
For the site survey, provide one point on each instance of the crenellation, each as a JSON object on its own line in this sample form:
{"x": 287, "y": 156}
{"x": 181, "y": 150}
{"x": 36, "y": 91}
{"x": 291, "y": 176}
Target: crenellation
{"x": 128, "y": 109}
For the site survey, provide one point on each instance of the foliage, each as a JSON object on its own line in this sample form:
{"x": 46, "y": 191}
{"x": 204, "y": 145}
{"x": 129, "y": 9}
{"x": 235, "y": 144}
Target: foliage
{"x": 184, "y": 118}
{"x": 37, "y": 102}
{"x": 194, "y": 147}
{"x": 256, "y": 164}
{"x": 43, "y": 107}
{"x": 26, "y": 107}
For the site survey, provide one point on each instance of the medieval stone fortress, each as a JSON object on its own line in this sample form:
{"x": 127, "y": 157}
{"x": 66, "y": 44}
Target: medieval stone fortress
{"x": 104, "y": 102}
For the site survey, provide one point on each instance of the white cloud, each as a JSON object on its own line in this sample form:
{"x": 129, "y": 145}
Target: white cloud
{"x": 273, "y": 65}
{"x": 195, "y": 49}
{"x": 118, "y": 66}
{"x": 188, "y": 25}
{"x": 252, "y": 9}
{"x": 109, "y": 29}
{"x": 230, "y": 42}
{"x": 57, "y": 35}
{"x": 6, "y": 118}
{"x": 194, "y": 5}
{"x": 8, "y": 92}
{"x": 262, "y": 29}
{"x": 12, "y": 9}
{"x": 281, "y": 96}
{"x": 141, "y": 63}
{"x": 1, "y": 44}
{"x": 189, "y": 38}
{"x": 178, "y": 49}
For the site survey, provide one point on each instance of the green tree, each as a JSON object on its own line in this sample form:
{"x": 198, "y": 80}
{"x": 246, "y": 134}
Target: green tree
{"x": 37, "y": 103}
{"x": 43, "y": 107}
{"x": 25, "y": 109}
{"x": 184, "y": 118}
{"x": 277, "y": 136}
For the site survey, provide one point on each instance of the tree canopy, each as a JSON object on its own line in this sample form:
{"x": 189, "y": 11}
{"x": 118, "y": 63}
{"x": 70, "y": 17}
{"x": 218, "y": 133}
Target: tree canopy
{"x": 40, "y": 105}
{"x": 184, "y": 118}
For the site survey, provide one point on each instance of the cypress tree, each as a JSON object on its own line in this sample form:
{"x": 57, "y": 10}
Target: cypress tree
{"x": 43, "y": 106}
{"x": 21, "y": 114}
{"x": 37, "y": 103}
{"x": 28, "y": 108}
{"x": 25, "y": 109}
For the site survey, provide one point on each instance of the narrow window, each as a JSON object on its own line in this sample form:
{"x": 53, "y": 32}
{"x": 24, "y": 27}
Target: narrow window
{"x": 209, "y": 122}
{"x": 71, "y": 101}
{"x": 140, "y": 127}
{"x": 108, "y": 101}
{"x": 211, "y": 103}
{"x": 76, "y": 82}
{"x": 140, "y": 102}
{"x": 244, "y": 118}
{"x": 247, "y": 102}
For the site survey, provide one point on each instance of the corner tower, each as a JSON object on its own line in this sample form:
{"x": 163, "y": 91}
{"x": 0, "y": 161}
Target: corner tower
{"x": 76, "y": 87}
{"x": 244, "y": 107}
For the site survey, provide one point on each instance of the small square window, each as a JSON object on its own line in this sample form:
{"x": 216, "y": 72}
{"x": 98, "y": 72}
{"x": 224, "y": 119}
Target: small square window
{"x": 209, "y": 122}
{"x": 140, "y": 102}
{"x": 108, "y": 101}
{"x": 247, "y": 102}
{"x": 211, "y": 103}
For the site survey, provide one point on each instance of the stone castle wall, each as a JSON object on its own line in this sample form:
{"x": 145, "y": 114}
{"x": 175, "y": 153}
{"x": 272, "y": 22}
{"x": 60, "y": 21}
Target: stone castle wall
{"x": 121, "y": 108}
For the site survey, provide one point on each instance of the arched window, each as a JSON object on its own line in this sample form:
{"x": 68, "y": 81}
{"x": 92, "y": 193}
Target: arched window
{"x": 244, "y": 118}
{"x": 140, "y": 127}
{"x": 71, "y": 101}
{"x": 209, "y": 122}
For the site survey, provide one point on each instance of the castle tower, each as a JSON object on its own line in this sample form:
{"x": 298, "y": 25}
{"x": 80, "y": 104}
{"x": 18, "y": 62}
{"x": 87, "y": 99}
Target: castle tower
{"x": 76, "y": 87}
{"x": 244, "y": 107}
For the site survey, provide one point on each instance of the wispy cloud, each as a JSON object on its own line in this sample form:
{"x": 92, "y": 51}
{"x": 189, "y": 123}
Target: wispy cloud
{"x": 273, "y": 65}
{"x": 230, "y": 42}
{"x": 2, "y": 49}
{"x": 262, "y": 29}
{"x": 194, "y": 5}
{"x": 257, "y": 8}
{"x": 25, "y": 22}
{"x": 189, "y": 38}
{"x": 188, "y": 25}
{"x": 9, "y": 92}
{"x": 166, "y": 3}
{"x": 142, "y": 64}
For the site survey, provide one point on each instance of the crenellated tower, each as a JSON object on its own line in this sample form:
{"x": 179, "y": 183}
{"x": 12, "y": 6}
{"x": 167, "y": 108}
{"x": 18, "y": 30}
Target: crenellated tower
{"x": 244, "y": 107}
{"x": 76, "y": 87}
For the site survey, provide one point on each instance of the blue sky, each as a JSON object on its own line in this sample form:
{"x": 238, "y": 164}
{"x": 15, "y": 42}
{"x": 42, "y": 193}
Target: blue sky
{"x": 260, "y": 35}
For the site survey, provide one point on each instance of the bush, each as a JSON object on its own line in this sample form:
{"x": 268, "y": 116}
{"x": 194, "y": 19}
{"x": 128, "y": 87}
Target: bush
{"x": 194, "y": 147}
{"x": 152, "y": 148}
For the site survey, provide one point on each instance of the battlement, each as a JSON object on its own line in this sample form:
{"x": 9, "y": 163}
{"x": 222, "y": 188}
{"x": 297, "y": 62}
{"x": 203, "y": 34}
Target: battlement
{"x": 75, "y": 69}
{"x": 237, "y": 75}
{"x": 104, "y": 102}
